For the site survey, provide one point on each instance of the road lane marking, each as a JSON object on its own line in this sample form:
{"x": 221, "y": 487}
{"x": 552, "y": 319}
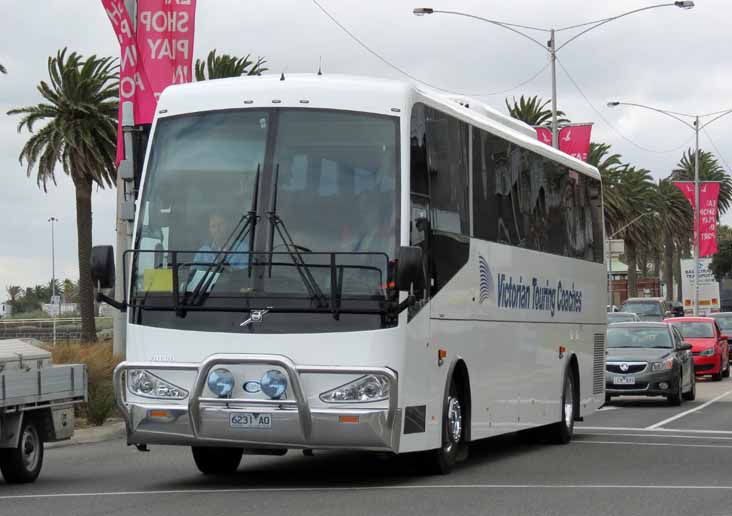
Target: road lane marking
{"x": 364, "y": 488}
{"x": 667, "y": 436}
{"x": 690, "y": 411}
{"x": 649, "y": 429}
{"x": 678, "y": 445}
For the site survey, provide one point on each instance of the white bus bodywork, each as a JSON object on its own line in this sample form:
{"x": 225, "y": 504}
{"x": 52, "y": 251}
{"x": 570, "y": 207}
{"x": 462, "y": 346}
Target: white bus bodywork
{"x": 515, "y": 358}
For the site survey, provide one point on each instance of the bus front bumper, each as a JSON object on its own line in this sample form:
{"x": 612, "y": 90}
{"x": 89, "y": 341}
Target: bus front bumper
{"x": 208, "y": 421}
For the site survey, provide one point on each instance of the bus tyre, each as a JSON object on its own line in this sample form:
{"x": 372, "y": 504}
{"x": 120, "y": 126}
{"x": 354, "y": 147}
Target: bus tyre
{"x": 442, "y": 460}
{"x": 23, "y": 463}
{"x": 562, "y": 432}
{"x": 216, "y": 461}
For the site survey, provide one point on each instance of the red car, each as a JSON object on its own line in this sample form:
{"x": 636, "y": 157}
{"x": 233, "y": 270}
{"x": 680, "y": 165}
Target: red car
{"x": 708, "y": 345}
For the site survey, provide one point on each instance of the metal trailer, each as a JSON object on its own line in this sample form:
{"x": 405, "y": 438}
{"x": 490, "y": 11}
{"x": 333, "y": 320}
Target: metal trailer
{"x": 37, "y": 402}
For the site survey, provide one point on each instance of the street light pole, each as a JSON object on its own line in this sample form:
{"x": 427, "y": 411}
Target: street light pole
{"x": 52, "y": 220}
{"x": 551, "y": 45}
{"x": 610, "y": 254}
{"x": 697, "y": 210}
{"x": 695, "y": 126}
{"x": 553, "y": 59}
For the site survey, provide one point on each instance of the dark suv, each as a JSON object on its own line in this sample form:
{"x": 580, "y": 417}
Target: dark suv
{"x": 648, "y": 308}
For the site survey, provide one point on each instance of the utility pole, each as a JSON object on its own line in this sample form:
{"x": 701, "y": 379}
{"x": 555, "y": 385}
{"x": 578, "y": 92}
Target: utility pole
{"x": 123, "y": 225}
{"x": 54, "y": 305}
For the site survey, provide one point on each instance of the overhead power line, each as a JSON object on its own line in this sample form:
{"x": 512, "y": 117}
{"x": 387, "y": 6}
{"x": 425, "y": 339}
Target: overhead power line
{"x": 709, "y": 137}
{"x": 612, "y": 127}
{"x": 413, "y": 77}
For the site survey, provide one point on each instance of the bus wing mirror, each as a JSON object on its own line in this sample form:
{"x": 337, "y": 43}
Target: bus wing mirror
{"x": 102, "y": 266}
{"x": 410, "y": 270}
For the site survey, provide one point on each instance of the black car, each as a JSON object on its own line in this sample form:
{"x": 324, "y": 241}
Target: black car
{"x": 648, "y": 359}
{"x": 677, "y": 309}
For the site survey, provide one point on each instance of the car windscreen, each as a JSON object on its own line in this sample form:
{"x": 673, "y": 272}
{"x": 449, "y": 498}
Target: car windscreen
{"x": 638, "y": 337}
{"x": 695, "y": 330}
{"x": 642, "y": 308}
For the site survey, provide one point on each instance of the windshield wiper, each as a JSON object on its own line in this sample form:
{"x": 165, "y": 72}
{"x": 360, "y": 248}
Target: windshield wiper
{"x": 292, "y": 249}
{"x": 245, "y": 227}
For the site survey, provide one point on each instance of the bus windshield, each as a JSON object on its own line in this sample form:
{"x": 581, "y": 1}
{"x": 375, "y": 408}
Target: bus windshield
{"x": 258, "y": 201}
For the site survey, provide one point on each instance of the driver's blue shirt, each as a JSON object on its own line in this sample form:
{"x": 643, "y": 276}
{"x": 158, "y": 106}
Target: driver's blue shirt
{"x": 207, "y": 255}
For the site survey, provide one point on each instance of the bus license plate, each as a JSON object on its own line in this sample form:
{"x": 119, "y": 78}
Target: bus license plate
{"x": 624, "y": 380}
{"x": 258, "y": 420}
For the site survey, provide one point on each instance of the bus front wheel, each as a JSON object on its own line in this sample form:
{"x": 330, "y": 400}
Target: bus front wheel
{"x": 216, "y": 461}
{"x": 443, "y": 459}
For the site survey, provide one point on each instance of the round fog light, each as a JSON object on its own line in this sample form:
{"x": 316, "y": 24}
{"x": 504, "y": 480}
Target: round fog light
{"x": 663, "y": 385}
{"x": 221, "y": 382}
{"x": 273, "y": 384}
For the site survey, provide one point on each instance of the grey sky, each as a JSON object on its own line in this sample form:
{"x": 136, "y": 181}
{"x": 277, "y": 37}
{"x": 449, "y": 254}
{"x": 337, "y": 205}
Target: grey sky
{"x": 670, "y": 58}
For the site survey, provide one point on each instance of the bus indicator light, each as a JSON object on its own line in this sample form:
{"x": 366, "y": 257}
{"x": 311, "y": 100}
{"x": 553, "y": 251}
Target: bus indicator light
{"x": 348, "y": 419}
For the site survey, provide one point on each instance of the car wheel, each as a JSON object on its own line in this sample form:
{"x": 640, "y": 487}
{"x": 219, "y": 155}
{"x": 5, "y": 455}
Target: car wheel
{"x": 726, "y": 370}
{"x": 22, "y": 464}
{"x": 675, "y": 398}
{"x": 717, "y": 377}
{"x": 691, "y": 395}
{"x": 562, "y": 432}
{"x": 216, "y": 461}
{"x": 608, "y": 399}
{"x": 442, "y": 460}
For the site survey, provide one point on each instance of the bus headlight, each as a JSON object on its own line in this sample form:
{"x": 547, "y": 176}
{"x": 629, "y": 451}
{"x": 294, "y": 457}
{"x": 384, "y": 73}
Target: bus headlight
{"x": 371, "y": 387}
{"x": 273, "y": 384}
{"x": 144, "y": 383}
{"x": 221, "y": 382}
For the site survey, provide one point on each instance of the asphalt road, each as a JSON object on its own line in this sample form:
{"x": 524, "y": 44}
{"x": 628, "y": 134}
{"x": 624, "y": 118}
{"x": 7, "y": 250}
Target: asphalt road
{"x": 635, "y": 457}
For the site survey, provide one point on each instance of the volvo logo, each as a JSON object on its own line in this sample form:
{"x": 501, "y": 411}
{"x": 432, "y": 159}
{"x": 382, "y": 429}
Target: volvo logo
{"x": 255, "y": 316}
{"x": 624, "y": 367}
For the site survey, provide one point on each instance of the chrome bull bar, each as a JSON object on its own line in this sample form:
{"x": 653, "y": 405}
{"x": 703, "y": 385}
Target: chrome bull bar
{"x": 300, "y": 403}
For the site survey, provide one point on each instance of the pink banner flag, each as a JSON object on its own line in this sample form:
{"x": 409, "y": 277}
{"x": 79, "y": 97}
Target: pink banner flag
{"x": 573, "y": 139}
{"x": 165, "y": 39}
{"x": 133, "y": 84}
{"x": 708, "y": 196}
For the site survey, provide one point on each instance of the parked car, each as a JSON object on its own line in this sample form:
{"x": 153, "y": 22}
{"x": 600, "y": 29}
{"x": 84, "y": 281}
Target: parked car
{"x": 709, "y": 345}
{"x": 617, "y": 317}
{"x": 648, "y": 308}
{"x": 649, "y": 359}
{"x": 724, "y": 320}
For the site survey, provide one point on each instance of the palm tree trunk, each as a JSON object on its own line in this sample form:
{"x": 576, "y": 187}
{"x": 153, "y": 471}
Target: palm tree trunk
{"x": 84, "y": 236}
{"x": 668, "y": 267}
{"x": 643, "y": 257}
{"x": 631, "y": 257}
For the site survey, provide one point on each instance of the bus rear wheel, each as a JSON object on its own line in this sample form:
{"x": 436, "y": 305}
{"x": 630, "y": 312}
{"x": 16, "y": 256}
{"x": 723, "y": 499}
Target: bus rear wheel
{"x": 562, "y": 432}
{"x": 442, "y": 460}
{"x": 216, "y": 461}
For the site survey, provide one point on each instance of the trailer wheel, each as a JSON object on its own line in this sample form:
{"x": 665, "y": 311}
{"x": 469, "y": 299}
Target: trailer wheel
{"x": 216, "y": 461}
{"x": 22, "y": 464}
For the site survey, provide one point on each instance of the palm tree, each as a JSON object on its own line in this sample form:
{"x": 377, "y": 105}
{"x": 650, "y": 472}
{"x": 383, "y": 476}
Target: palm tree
{"x": 608, "y": 165}
{"x": 674, "y": 224}
{"x": 80, "y": 107}
{"x": 218, "y": 67}
{"x": 533, "y": 111}
{"x": 636, "y": 188}
{"x": 14, "y": 292}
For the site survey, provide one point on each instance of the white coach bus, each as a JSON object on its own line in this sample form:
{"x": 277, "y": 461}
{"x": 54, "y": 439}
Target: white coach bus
{"x": 343, "y": 262}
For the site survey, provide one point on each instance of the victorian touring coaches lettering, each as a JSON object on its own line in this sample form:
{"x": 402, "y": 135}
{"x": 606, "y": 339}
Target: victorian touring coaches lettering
{"x": 517, "y": 295}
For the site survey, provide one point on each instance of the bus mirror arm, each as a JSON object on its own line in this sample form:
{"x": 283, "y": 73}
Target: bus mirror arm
{"x": 102, "y": 298}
